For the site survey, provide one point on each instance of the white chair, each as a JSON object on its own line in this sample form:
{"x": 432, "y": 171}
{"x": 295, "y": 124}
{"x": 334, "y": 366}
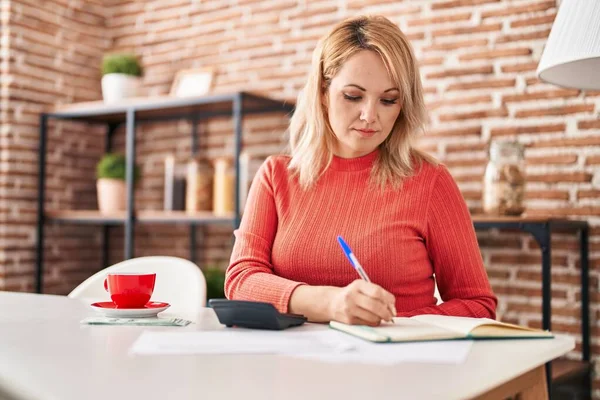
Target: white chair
{"x": 179, "y": 282}
{"x": 436, "y": 293}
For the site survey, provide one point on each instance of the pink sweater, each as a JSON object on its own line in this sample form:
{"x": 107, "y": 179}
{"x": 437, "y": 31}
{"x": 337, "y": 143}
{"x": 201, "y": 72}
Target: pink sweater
{"x": 287, "y": 238}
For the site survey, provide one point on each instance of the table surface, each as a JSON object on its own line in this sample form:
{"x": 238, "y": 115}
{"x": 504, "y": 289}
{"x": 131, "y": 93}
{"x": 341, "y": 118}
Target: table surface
{"x": 47, "y": 354}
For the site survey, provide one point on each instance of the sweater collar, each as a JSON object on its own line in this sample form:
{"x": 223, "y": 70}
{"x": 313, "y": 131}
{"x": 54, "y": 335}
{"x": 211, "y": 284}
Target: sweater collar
{"x": 354, "y": 164}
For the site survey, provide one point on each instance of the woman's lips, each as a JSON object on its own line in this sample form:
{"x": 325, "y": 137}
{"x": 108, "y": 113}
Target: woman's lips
{"x": 367, "y": 133}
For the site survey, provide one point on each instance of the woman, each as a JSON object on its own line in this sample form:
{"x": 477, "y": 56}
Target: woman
{"x": 354, "y": 172}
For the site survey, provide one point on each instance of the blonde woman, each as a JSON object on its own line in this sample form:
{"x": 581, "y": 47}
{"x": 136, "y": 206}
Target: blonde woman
{"x": 353, "y": 171}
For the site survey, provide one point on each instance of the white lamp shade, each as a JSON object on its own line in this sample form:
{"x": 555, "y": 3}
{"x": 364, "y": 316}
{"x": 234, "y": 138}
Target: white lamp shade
{"x": 571, "y": 57}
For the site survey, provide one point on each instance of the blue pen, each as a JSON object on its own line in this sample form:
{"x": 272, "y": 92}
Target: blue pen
{"x": 361, "y": 272}
{"x": 353, "y": 260}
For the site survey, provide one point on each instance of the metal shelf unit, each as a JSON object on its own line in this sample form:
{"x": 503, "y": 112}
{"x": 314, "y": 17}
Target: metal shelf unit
{"x": 541, "y": 229}
{"x": 131, "y": 113}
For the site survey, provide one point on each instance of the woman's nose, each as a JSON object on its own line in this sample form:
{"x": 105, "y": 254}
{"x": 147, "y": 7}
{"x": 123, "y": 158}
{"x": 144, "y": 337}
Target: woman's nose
{"x": 368, "y": 114}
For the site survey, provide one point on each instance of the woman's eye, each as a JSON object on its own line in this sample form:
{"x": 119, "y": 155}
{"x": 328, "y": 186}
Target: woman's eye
{"x": 351, "y": 98}
{"x": 389, "y": 102}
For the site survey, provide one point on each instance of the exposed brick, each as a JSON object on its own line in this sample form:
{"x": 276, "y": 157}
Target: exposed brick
{"x": 361, "y": 4}
{"x": 522, "y": 259}
{"x": 440, "y": 19}
{"x": 497, "y": 53}
{"x": 565, "y": 110}
{"x": 512, "y": 243}
{"x": 546, "y": 194}
{"x": 431, "y": 61}
{"x": 561, "y": 177}
{"x": 590, "y": 124}
{"x": 467, "y": 30}
{"x": 459, "y": 3}
{"x": 470, "y": 194}
{"x": 466, "y": 163}
{"x": 519, "y": 37}
{"x": 575, "y": 142}
{"x": 532, "y": 81}
{"x": 517, "y": 130}
{"x": 521, "y": 67}
{"x": 557, "y": 159}
{"x": 460, "y": 147}
{"x": 415, "y": 36}
{"x": 501, "y": 112}
{"x": 527, "y": 8}
{"x": 486, "y": 84}
{"x": 482, "y": 99}
{"x": 447, "y": 73}
{"x": 473, "y": 131}
{"x": 540, "y": 95}
{"x": 588, "y": 194}
{"x": 456, "y": 45}
{"x": 496, "y": 274}
{"x": 468, "y": 178}
{"x": 592, "y": 160}
{"x": 528, "y": 292}
{"x": 546, "y": 19}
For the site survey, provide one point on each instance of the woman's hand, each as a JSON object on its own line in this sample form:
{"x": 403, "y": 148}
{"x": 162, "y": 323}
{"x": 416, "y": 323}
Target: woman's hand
{"x": 362, "y": 303}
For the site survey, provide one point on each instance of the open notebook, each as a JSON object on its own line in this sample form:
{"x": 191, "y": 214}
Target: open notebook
{"x": 423, "y": 328}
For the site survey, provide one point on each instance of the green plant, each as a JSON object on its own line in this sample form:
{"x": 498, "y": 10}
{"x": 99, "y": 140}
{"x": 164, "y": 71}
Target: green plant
{"x": 121, "y": 64}
{"x": 112, "y": 166}
{"x": 215, "y": 282}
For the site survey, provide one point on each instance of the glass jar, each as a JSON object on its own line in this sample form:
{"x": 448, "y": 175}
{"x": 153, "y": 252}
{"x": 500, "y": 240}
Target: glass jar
{"x": 199, "y": 196}
{"x": 224, "y": 187}
{"x": 504, "y": 179}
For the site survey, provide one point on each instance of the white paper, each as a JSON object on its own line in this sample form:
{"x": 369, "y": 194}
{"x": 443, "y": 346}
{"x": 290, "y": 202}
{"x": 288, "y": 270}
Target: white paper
{"x": 240, "y": 341}
{"x": 319, "y": 345}
{"x": 442, "y": 352}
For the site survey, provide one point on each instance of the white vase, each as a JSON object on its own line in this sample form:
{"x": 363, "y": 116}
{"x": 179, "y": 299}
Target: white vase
{"x": 116, "y": 87}
{"x": 112, "y": 195}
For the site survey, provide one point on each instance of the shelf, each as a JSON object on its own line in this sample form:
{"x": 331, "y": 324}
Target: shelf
{"x": 168, "y": 108}
{"x": 94, "y": 217}
{"x": 491, "y": 221}
{"x": 564, "y": 370}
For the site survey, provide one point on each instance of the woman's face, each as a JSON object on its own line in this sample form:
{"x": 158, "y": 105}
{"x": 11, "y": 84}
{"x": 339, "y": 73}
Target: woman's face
{"x": 362, "y": 105}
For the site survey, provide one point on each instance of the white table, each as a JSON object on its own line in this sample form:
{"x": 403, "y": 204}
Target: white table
{"x": 46, "y": 354}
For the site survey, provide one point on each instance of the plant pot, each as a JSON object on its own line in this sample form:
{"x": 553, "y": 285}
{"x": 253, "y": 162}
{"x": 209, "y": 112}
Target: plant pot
{"x": 116, "y": 87}
{"x": 112, "y": 195}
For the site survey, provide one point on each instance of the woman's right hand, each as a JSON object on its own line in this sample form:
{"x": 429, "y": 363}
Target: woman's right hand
{"x": 362, "y": 303}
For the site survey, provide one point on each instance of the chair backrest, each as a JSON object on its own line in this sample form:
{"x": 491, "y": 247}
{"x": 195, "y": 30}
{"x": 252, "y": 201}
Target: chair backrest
{"x": 436, "y": 293}
{"x": 179, "y": 282}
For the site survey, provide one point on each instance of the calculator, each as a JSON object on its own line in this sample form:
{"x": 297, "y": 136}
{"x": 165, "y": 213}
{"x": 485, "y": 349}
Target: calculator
{"x": 253, "y": 315}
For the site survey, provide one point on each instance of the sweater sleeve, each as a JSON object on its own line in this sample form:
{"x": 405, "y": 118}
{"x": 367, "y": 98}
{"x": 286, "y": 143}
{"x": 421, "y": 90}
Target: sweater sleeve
{"x": 452, "y": 246}
{"x": 250, "y": 273}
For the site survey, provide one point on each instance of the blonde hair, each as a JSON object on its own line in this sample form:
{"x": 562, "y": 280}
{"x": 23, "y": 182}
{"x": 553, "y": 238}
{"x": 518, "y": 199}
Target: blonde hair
{"x": 311, "y": 138}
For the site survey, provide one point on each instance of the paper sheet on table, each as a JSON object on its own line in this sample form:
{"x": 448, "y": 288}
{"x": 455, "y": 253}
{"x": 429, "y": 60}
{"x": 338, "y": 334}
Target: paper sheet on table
{"x": 320, "y": 345}
{"x": 435, "y": 352}
{"x": 240, "y": 341}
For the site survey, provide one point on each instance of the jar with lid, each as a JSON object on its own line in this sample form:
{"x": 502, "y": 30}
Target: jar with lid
{"x": 224, "y": 187}
{"x": 199, "y": 196}
{"x": 504, "y": 179}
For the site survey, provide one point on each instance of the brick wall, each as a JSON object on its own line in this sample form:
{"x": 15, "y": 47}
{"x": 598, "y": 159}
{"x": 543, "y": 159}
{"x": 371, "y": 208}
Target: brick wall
{"x": 50, "y": 52}
{"x": 478, "y": 60}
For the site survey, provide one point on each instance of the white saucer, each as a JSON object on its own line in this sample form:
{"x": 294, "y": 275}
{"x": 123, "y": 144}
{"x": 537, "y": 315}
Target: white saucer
{"x": 109, "y": 309}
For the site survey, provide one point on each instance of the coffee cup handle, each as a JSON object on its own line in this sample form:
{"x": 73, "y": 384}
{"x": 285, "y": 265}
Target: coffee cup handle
{"x": 106, "y": 284}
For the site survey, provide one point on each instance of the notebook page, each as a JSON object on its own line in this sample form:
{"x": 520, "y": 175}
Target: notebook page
{"x": 411, "y": 329}
{"x": 462, "y": 325}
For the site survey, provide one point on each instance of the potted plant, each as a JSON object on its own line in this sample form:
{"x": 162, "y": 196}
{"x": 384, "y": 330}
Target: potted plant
{"x": 215, "y": 282}
{"x": 112, "y": 191}
{"x": 120, "y": 77}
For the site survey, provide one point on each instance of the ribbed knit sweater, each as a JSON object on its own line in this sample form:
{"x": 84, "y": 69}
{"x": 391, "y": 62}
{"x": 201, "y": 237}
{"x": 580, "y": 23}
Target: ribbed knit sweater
{"x": 402, "y": 237}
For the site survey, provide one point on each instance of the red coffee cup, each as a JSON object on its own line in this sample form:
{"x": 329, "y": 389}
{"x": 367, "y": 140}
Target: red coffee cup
{"x": 130, "y": 290}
